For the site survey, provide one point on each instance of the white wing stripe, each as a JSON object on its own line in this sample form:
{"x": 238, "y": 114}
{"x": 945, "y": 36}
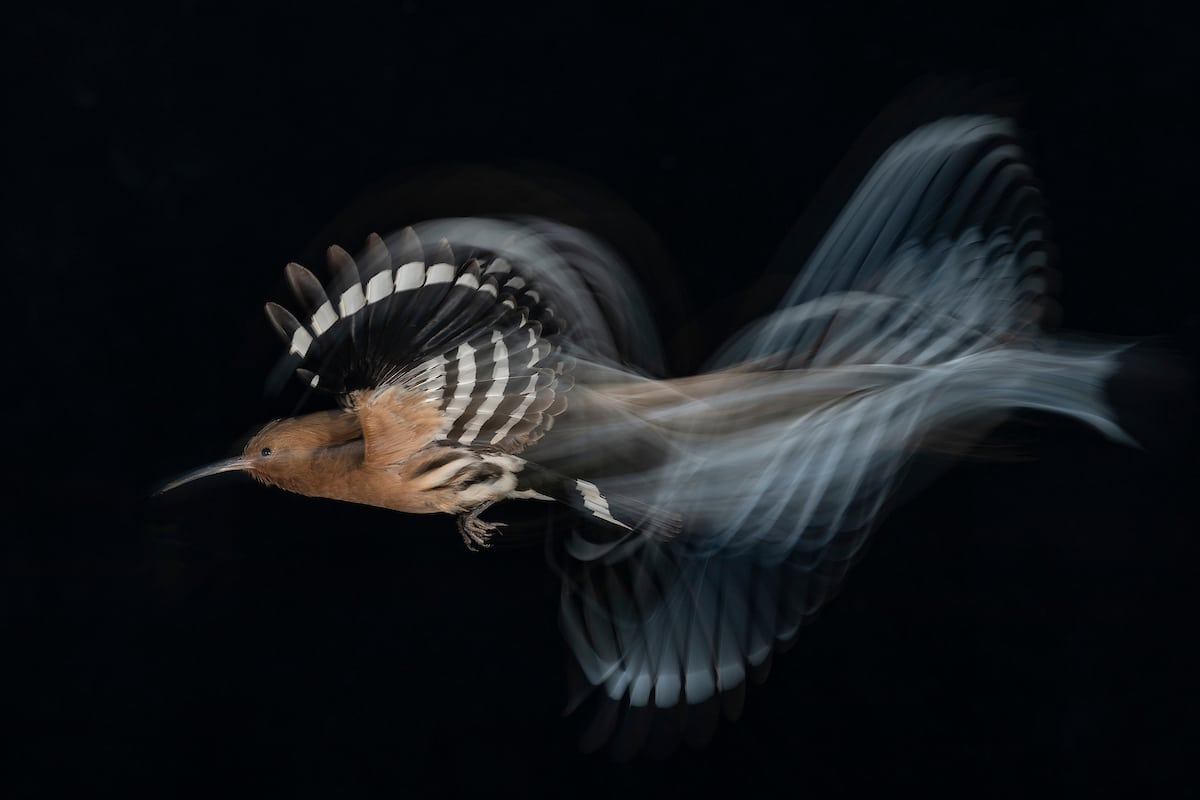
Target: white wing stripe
{"x": 352, "y": 300}
{"x": 439, "y": 273}
{"x": 466, "y": 382}
{"x": 301, "y": 339}
{"x": 410, "y": 276}
{"x": 519, "y": 412}
{"x": 379, "y": 287}
{"x": 495, "y": 391}
{"x": 324, "y": 318}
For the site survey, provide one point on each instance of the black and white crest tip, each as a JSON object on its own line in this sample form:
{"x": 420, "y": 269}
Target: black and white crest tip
{"x": 476, "y": 337}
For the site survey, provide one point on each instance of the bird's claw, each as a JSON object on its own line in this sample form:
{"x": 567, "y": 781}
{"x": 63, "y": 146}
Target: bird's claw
{"x": 476, "y": 533}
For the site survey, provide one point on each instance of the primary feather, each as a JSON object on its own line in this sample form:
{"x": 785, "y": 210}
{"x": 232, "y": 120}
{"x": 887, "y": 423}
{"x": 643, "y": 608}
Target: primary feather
{"x": 474, "y": 337}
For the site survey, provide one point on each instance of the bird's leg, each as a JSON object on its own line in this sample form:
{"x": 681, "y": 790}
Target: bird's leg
{"x": 476, "y": 533}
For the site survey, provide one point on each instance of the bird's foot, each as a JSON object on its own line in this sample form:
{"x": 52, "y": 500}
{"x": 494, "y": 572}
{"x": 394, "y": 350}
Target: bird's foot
{"x": 477, "y": 534}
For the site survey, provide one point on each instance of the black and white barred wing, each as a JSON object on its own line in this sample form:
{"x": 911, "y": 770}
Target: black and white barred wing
{"x": 475, "y": 337}
{"x": 588, "y": 283}
{"x": 916, "y": 318}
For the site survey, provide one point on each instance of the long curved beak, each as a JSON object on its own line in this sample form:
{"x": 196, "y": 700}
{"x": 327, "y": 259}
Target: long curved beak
{"x": 228, "y": 465}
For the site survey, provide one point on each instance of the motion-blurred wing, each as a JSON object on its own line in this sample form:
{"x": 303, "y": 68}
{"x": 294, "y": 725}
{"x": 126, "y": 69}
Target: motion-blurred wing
{"x": 671, "y": 636}
{"x": 915, "y": 317}
{"x": 475, "y": 338}
{"x": 940, "y": 252}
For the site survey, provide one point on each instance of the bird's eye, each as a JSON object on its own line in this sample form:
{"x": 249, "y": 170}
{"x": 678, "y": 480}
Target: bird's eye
{"x": 266, "y": 451}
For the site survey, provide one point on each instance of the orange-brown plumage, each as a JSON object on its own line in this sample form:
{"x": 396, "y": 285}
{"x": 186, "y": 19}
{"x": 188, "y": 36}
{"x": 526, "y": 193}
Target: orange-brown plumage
{"x": 382, "y": 451}
{"x": 395, "y": 424}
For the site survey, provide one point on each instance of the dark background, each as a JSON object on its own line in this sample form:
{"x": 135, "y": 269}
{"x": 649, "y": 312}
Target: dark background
{"x": 1016, "y": 629}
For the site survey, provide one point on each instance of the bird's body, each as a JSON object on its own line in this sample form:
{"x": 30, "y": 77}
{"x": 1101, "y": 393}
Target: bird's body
{"x": 714, "y": 512}
{"x": 383, "y": 451}
{"x": 445, "y": 372}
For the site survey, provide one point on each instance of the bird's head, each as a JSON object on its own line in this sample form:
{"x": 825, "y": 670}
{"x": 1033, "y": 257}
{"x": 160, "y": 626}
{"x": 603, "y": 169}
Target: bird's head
{"x": 289, "y": 453}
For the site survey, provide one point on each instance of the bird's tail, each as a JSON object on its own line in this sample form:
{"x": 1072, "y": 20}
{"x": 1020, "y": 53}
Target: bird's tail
{"x": 614, "y": 522}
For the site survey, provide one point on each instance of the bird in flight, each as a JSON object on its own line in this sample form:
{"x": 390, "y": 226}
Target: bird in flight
{"x": 476, "y": 361}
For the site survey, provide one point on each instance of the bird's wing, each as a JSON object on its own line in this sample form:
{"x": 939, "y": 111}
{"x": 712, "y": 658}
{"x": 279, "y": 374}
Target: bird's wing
{"x": 940, "y": 251}
{"x": 919, "y": 311}
{"x": 475, "y": 339}
{"x": 670, "y": 637}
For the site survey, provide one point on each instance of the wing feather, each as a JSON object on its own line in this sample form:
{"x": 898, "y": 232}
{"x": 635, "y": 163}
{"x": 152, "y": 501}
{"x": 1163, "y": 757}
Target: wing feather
{"x": 921, "y": 305}
{"x": 475, "y": 338}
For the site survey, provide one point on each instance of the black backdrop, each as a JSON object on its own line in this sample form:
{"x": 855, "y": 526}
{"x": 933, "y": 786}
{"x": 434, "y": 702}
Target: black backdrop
{"x": 1015, "y": 629}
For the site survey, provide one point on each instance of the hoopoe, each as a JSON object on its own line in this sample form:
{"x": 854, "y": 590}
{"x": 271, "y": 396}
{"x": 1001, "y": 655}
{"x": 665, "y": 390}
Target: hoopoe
{"x": 915, "y": 325}
{"x": 446, "y": 371}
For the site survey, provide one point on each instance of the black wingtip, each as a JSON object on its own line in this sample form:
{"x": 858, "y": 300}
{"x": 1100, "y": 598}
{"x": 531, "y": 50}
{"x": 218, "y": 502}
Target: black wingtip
{"x": 374, "y": 260}
{"x": 305, "y": 286}
{"x": 282, "y": 320}
{"x": 409, "y": 247}
{"x": 443, "y": 253}
{"x": 340, "y": 261}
